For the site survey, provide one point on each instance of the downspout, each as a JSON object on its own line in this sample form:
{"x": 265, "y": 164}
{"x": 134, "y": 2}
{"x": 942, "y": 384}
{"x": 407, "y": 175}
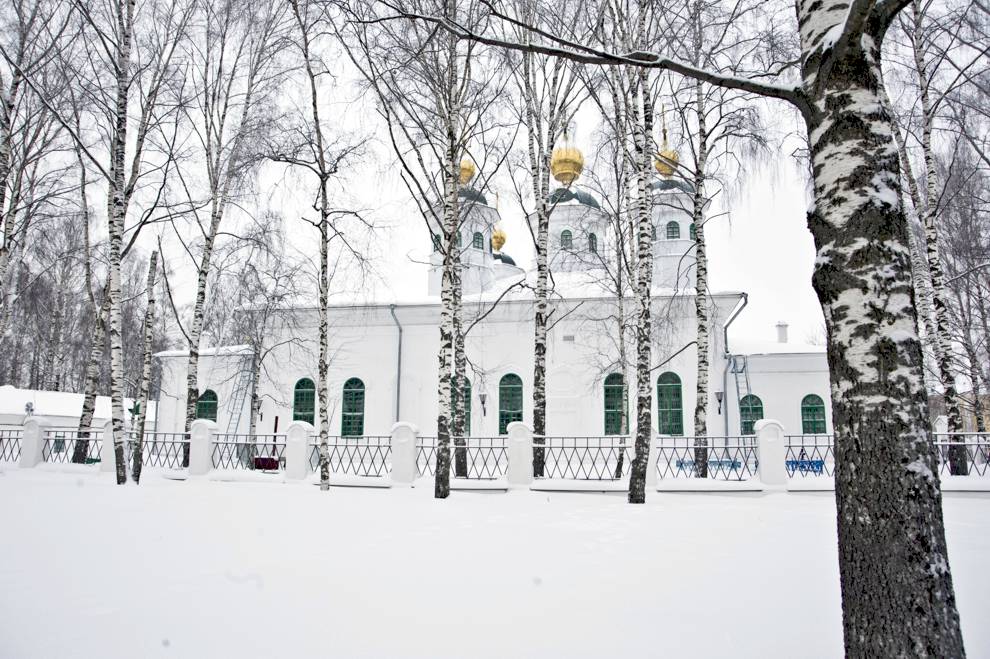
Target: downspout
{"x": 398, "y": 363}
{"x": 728, "y": 360}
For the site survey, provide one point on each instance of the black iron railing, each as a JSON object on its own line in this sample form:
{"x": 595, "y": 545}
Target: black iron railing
{"x": 718, "y": 458}
{"x": 810, "y": 455}
{"x": 10, "y": 445}
{"x": 478, "y": 458}
{"x": 60, "y": 446}
{"x": 248, "y": 452}
{"x": 160, "y": 449}
{"x": 368, "y": 455}
{"x": 970, "y": 455}
{"x": 583, "y": 458}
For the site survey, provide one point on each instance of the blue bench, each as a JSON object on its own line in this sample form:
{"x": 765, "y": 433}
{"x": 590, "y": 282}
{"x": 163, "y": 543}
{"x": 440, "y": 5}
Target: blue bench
{"x": 712, "y": 464}
{"x": 805, "y": 466}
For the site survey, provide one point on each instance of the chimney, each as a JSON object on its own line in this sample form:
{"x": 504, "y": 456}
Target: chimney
{"x": 781, "y": 332}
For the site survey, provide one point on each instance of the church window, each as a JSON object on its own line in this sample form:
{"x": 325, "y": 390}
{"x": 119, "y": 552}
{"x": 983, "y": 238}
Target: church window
{"x": 616, "y": 406}
{"x": 592, "y": 243}
{"x": 566, "y": 239}
{"x": 304, "y": 401}
{"x": 478, "y": 241}
{"x": 670, "y": 404}
{"x": 206, "y": 406}
{"x": 813, "y": 415}
{"x": 673, "y": 230}
{"x": 693, "y": 232}
{"x": 437, "y": 245}
{"x": 510, "y": 401}
{"x": 352, "y": 411}
{"x": 750, "y": 411}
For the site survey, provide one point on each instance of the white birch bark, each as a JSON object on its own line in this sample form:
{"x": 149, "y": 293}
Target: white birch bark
{"x": 145, "y": 387}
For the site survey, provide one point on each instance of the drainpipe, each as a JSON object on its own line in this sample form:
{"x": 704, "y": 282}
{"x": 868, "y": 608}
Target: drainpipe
{"x": 728, "y": 359}
{"x": 398, "y": 363}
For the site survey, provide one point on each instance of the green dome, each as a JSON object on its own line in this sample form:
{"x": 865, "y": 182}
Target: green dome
{"x": 562, "y": 195}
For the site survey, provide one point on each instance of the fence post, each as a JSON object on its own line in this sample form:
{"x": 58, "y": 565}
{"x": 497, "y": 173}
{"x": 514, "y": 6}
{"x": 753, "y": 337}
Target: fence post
{"x": 297, "y": 450}
{"x": 519, "y": 470}
{"x": 201, "y": 447}
{"x": 404, "y": 470}
{"x": 651, "y": 460}
{"x": 108, "y": 461}
{"x": 772, "y": 452}
{"x": 32, "y": 443}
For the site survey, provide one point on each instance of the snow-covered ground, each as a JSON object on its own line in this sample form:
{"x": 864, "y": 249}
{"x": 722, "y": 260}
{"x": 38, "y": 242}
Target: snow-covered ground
{"x": 209, "y": 569}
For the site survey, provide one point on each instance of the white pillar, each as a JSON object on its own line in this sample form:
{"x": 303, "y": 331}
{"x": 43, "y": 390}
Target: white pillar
{"x": 297, "y": 450}
{"x": 108, "y": 461}
{"x": 651, "y": 464}
{"x": 32, "y": 443}
{"x": 404, "y": 469}
{"x": 201, "y": 447}
{"x": 772, "y": 451}
{"x": 941, "y": 425}
{"x": 519, "y": 470}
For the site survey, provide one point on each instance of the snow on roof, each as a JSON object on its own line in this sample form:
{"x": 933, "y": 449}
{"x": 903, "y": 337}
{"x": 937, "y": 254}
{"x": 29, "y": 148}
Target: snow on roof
{"x": 209, "y": 352}
{"x": 752, "y": 347}
{"x": 56, "y": 403}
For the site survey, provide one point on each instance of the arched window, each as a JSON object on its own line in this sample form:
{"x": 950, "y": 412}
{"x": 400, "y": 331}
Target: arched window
{"x": 693, "y": 232}
{"x": 654, "y": 232}
{"x": 566, "y": 239}
{"x": 670, "y": 404}
{"x": 206, "y": 406}
{"x": 592, "y": 243}
{"x": 457, "y": 239}
{"x": 673, "y": 230}
{"x": 750, "y": 411}
{"x": 616, "y": 406}
{"x": 304, "y": 401}
{"x": 510, "y": 401}
{"x": 813, "y": 415}
{"x": 437, "y": 244}
{"x": 478, "y": 241}
{"x": 352, "y": 410}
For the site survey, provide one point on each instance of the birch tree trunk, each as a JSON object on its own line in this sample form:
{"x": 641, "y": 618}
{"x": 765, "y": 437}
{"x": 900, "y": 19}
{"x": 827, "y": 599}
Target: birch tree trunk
{"x": 450, "y": 221}
{"x": 701, "y": 285}
{"x": 117, "y": 206}
{"x": 943, "y": 327}
{"x": 460, "y": 374}
{"x": 644, "y": 282}
{"x": 149, "y": 325}
{"x": 92, "y": 381}
{"x": 897, "y": 592}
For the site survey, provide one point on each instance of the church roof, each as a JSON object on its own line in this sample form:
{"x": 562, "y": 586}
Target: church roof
{"x": 673, "y": 185}
{"x": 563, "y": 195}
{"x": 504, "y": 258}
{"x": 469, "y": 193}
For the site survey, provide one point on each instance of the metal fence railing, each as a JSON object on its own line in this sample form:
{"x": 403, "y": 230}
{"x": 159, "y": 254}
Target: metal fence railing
{"x": 477, "y": 458}
{"x": 368, "y": 455}
{"x": 718, "y": 458}
{"x": 969, "y": 456}
{"x": 66, "y": 445}
{"x": 249, "y": 452}
{"x": 582, "y": 458}
{"x": 167, "y": 450}
{"x": 10, "y": 445}
{"x": 809, "y": 455}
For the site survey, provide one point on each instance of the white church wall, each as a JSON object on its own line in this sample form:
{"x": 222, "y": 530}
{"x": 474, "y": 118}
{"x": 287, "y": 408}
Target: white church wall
{"x": 782, "y": 380}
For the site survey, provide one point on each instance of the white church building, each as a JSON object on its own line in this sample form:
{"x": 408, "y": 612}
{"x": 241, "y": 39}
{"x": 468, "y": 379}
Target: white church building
{"x": 383, "y": 364}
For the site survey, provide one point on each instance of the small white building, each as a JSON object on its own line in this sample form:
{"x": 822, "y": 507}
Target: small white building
{"x": 58, "y": 409}
{"x": 383, "y": 364}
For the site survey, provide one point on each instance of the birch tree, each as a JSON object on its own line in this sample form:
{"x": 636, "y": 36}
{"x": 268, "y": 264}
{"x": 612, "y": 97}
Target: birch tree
{"x": 897, "y": 592}
{"x": 235, "y": 70}
{"x": 145, "y": 387}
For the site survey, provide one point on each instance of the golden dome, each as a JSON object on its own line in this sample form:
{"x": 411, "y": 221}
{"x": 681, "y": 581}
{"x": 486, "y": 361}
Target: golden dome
{"x": 666, "y": 160}
{"x": 468, "y": 171}
{"x": 498, "y": 239}
{"x": 566, "y": 162}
